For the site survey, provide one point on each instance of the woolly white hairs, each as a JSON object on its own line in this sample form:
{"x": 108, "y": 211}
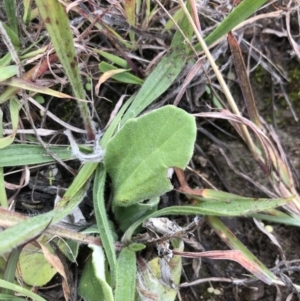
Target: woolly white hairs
{"x": 96, "y": 156}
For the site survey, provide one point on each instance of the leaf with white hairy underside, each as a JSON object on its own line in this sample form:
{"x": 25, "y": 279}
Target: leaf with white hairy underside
{"x": 138, "y": 156}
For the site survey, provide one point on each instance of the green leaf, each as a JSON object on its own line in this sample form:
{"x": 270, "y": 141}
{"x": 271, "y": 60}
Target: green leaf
{"x": 7, "y": 72}
{"x": 21, "y": 290}
{"x": 29, "y": 229}
{"x": 126, "y": 275}
{"x": 11, "y": 268}
{"x": 89, "y": 288}
{"x": 102, "y": 220}
{"x": 42, "y": 273}
{"x": 30, "y": 86}
{"x": 127, "y": 216}
{"x": 233, "y": 207}
{"x": 136, "y": 247}
{"x": 252, "y": 263}
{"x": 13, "y": 37}
{"x": 27, "y": 11}
{"x": 10, "y": 297}
{"x": 14, "y": 107}
{"x": 23, "y": 232}
{"x": 149, "y": 280}
{"x": 138, "y": 156}
{"x": 115, "y": 123}
{"x": 11, "y": 9}
{"x": 23, "y": 154}
{"x": 238, "y": 15}
{"x": 58, "y": 26}
{"x": 93, "y": 285}
{"x": 33, "y": 256}
{"x": 114, "y": 59}
{"x": 157, "y": 82}
{"x": 124, "y": 77}
{"x": 6, "y": 59}
{"x": 165, "y": 73}
{"x": 98, "y": 260}
{"x": 276, "y": 216}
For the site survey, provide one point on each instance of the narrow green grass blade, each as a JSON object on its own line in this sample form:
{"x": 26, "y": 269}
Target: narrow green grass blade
{"x": 278, "y": 217}
{"x": 238, "y": 15}
{"x": 19, "y": 83}
{"x": 10, "y": 298}
{"x": 158, "y": 82}
{"x": 164, "y": 74}
{"x": 27, "y": 11}
{"x": 113, "y": 126}
{"x": 11, "y": 267}
{"x": 3, "y": 196}
{"x": 21, "y": 290}
{"x": 78, "y": 188}
{"x": 32, "y": 227}
{"x": 14, "y": 39}
{"x": 14, "y": 107}
{"x": 20, "y": 154}
{"x": 237, "y": 207}
{"x": 102, "y": 221}
{"x": 58, "y": 27}
{"x": 114, "y": 59}
{"x": 11, "y": 9}
{"x": 124, "y": 77}
{"x": 5, "y": 60}
{"x": 258, "y": 268}
{"x": 22, "y": 232}
{"x": 176, "y": 17}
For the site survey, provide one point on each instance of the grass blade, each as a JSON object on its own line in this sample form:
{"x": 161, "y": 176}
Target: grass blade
{"x": 11, "y": 267}
{"x": 14, "y": 107}
{"x": 276, "y": 216}
{"x": 30, "y": 86}
{"x": 244, "y": 81}
{"x": 10, "y": 9}
{"x": 102, "y": 221}
{"x": 164, "y": 74}
{"x": 23, "y": 232}
{"x": 239, "y": 14}
{"x": 58, "y": 27}
{"x": 18, "y": 155}
{"x": 252, "y": 263}
{"x": 21, "y": 290}
{"x": 237, "y": 207}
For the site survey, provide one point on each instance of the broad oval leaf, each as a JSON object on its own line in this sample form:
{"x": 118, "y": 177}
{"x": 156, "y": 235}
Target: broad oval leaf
{"x": 138, "y": 157}
{"x": 42, "y": 273}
